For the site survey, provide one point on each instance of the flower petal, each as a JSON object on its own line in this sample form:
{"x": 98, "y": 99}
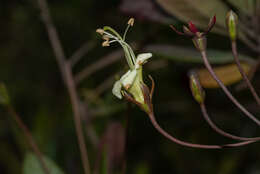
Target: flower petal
{"x": 117, "y": 89}
{"x": 128, "y": 79}
{"x": 193, "y": 28}
{"x": 142, "y": 59}
{"x": 125, "y": 75}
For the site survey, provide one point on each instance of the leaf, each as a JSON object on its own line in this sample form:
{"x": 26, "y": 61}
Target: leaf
{"x": 191, "y": 55}
{"x": 4, "y": 97}
{"x": 197, "y": 11}
{"x": 144, "y": 10}
{"x": 31, "y": 165}
{"x": 245, "y": 6}
{"x": 228, "y": 74}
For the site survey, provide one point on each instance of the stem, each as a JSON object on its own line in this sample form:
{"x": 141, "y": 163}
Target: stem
{"x": 226, "y": 91}
{"x": 200, "y": 146}
{"x": 29, "y": 138}
{"x": 220, "y": 131}
{"x": 242, "y": 72}
{"x": 67, "y": 78}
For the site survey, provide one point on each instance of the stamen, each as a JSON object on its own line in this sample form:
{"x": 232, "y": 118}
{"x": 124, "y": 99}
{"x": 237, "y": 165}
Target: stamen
{"x": 105, "y": 44}
{"x": 130, "y": 23}
{"x": 100, "y": 31}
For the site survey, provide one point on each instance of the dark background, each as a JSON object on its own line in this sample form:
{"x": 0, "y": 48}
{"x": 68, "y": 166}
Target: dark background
{"x": 30, "y": 72}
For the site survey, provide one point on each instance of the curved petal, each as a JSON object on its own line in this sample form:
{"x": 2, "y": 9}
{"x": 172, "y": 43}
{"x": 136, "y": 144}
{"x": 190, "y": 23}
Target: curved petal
{"x": 117, "y": 89}
{"x": 128, "y": 80}
{"x": 142, "y": 59}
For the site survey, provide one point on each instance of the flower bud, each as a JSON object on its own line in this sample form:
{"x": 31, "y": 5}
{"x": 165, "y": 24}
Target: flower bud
{"x": 196, "y": 89}
{"x": 231, "y": 22}
{"x": 200, "y": 42}
{"x": 4, "y": 97}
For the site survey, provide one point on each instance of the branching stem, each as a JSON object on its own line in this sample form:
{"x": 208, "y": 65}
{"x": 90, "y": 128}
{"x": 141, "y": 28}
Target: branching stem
{"x": 242, "y": 72}
{"x": 226, "y": 91}
{"x": 183, "y": 143}
{"x": 220, "y": 131}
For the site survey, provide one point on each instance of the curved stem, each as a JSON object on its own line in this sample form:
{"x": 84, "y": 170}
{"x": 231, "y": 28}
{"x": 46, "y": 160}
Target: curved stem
{"x": 224, "y": 88}
{"x": 68, "y": 80}
{"x": 29, "y": 138}
{"x": 183, "y": 143}
{"x": 220, "y": 131}
{"x": 242, "y": 72}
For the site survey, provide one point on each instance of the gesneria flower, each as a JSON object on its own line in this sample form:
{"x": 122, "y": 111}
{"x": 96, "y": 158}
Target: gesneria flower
{"x": 131, "y": 84}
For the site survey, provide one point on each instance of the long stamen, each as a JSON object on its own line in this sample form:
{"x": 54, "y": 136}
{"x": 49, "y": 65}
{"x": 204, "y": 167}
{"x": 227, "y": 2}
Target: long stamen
{"x": 130, "y": 23}
{"x": 126, "y": 30}
{"x": 107, "y": 28}
{"x": 130, "y": 57}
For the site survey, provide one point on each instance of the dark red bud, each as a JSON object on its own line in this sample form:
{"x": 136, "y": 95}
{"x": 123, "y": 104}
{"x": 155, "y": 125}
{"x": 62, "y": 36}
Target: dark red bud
{"x": 211, "y": 24}
{"x": 193, "y": 28}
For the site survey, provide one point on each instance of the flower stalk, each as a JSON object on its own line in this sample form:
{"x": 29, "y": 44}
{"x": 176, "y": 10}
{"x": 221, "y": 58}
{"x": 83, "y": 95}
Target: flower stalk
{"x": 231, "y": 22}
{"x": 199, "y": 40}
{"x": 199, "y": 95}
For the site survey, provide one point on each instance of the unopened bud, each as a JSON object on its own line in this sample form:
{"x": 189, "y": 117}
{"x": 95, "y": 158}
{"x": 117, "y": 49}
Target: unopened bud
{"x": 4, "y": 97}
{"x": 200, "y": 42}
{"x": 196, "y": 89}
{"x": 231, "y": 22}
{"x": 131, "y": 21}
{"x": 100, "y": 31}
{"x": 105, "y": 44}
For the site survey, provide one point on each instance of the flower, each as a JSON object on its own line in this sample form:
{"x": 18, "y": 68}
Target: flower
{"x": 198, "y": 37}
{"x": 130, "y": 85}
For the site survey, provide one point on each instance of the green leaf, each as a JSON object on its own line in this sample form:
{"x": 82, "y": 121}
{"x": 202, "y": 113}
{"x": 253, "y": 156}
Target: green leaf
{"x": 191, "y": 55}
{"x": 197, "y": 11}
{"x": 31, "y": 165}
{"x": 4, "y": 97}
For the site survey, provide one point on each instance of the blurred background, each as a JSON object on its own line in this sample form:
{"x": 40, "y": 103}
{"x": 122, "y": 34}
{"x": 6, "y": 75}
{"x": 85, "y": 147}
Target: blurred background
{"x": 118, "y": 135}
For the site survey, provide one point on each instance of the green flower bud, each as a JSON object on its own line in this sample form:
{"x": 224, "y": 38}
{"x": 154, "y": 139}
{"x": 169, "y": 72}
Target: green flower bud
{"x": 200, "y": 42}
{"x": 231, "y": 22}
{"x": 196, "y": 89}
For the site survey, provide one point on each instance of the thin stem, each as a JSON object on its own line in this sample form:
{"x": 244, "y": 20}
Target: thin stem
{"x": 29, "y": 138}
{"x": 99, "y": 64}
{"x": 242, "y": 72}
{"x": 200, "y": 146}
{"x": 67, "y": 78}
{"x": 220, "y": 131}
{"x": 226, "y": 91}
{"x": 76, "y": 57}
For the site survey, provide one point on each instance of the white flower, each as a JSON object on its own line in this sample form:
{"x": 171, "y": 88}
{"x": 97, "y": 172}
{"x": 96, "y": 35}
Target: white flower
{"x": 129, "y": 77}
{"x": 142, "y": 59}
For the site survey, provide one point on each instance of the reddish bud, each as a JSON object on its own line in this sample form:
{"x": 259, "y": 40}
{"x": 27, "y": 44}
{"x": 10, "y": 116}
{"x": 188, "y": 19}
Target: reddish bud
{"x": 193, "y": 28}
{"x": 211, "y": 24}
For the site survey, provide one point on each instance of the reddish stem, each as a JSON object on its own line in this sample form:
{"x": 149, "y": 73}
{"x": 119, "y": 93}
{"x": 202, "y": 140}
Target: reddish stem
{"x": 242, "y": 72}
{"x": 220, "y": 131}
{"x": 183, "y": 143}
{"x": 226, "y": 91}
